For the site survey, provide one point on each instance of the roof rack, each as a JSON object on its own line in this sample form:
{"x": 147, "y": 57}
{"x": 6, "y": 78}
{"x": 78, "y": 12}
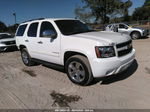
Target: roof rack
{"x": 33, "y": 20}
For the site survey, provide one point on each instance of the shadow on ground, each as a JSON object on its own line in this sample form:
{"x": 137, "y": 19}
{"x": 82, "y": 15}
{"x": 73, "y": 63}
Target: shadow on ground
{"x": 144, "y": 38}
{"x": 118, "y": 77}
{"x": 55, "y": 67}
{"x": 106, "y": 80}
{"x": 13, "y": 49}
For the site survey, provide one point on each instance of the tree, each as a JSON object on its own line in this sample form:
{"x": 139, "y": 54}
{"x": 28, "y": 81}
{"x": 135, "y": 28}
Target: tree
{"x": 3, "y": 27}
{"x": 147, "y": 3}
{"x": 83, "y": 14}
{"x": 125, "y": 6}
{"x": 12, "y": 29}
{"x": 142, "y": 13}
{"x": 101, "y": 10}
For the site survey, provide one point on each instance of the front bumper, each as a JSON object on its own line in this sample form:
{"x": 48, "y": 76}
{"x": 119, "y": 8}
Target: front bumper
{"x": 145, "y": 33}
{"x": 4, "y": 47}
{"x": 110, "y": 66}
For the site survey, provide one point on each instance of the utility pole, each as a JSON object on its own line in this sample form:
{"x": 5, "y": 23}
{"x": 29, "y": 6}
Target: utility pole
{"x": 14, "y": 14}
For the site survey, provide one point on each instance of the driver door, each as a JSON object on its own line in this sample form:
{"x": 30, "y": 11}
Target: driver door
{"x": 48, "y": 48}
{"x": 122, "y": 28}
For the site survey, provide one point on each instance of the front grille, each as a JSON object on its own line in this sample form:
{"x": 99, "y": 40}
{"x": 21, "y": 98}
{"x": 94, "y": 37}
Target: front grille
{"x": 124, "y": 52}
{"x": 124, "y": 48}
{"x": 124, "y": 44}
{"x": 9, "y": 42}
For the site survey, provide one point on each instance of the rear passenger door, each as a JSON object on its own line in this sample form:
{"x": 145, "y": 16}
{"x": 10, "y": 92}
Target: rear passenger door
{"x": 31, "y": 39}
{"x": 49, "y": 48}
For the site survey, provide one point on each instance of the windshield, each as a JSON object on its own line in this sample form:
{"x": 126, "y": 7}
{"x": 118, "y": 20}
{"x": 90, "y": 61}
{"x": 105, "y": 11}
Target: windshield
{"x": 4, "y": 36}
{"x": 70, "y": 27}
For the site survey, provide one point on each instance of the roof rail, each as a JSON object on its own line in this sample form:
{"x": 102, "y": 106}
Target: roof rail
{"x": 33, "y": 20}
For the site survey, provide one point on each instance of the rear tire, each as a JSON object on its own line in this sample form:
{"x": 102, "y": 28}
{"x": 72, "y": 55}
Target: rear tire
{"x": 135, "y": 35}
{"x": 78, "y": 70}
{"x": 26, "y": 58}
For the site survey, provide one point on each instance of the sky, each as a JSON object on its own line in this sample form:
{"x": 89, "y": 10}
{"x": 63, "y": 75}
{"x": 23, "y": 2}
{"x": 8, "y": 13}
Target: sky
{"x": 30, "y": 9}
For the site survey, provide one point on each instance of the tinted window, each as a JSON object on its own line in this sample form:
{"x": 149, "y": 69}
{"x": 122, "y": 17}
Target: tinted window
{"x": 70, "y": 27}
{"x": 46, "y": 26}
{"x": 121, "y": 26}
{"x": 21, "y": 30}
{"x": 32, "y": 32}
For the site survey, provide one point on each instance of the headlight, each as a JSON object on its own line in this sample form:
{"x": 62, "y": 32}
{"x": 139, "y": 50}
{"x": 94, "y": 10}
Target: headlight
{"x": 105, "y": 52}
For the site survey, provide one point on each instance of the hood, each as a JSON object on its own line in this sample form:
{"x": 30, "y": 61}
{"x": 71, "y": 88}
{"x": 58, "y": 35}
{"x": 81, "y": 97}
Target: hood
{"x": 5, "y": 36}
{"x": 7, "y": 39}
{"x": 139, "y": 28}
{"x": 105, "y": 36}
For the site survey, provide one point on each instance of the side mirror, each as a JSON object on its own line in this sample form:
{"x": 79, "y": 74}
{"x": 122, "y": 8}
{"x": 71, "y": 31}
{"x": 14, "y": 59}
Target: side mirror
{"x": 49, "y": 33}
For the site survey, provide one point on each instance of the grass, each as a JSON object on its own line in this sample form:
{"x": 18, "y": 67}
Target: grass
{"x": 63, "y": 100}
{"x": 30, "y": 72}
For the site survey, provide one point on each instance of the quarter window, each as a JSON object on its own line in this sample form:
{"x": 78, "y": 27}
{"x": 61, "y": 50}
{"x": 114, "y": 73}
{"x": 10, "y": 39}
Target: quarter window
{"x": 32, "y": 32}
{"x": 21, "y": 30}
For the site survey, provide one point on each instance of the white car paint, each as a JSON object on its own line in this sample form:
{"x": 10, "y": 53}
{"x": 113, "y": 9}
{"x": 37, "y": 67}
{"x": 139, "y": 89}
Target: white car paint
{"x": 3, "y": 41}
{"x": 84, "y": 43}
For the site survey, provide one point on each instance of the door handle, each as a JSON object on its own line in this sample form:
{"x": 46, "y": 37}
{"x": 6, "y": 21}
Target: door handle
{"x": 26, "y": 40}
{"x": 40, "y": 42}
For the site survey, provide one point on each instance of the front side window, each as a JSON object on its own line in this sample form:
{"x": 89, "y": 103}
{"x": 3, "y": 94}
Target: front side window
{"x": 123, "y": 26}
{"x": 21, "y": 30}
{"x": 70, "y": 27}
{"x": 32, "y": 32}
{"x": 45, "y": 26}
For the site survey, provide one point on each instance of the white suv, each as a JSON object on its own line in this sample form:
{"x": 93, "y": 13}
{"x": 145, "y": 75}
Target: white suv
{"x": 84, "y": 53}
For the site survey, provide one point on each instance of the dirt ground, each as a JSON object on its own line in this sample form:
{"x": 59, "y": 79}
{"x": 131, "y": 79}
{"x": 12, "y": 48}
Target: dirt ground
{"x": 41, "y": 87}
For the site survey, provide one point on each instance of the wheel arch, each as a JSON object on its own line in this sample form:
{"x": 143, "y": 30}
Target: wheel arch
{"x": 21, "y": 47}
{"x": 135, "y": 32}
{"x": 69, "y": 54}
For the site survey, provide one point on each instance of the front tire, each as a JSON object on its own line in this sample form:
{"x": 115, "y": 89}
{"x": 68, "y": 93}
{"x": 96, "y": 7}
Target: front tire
{"x": 78, "y": 70}
{"x": 135, "y": 35}
{"x": 27, "y": 60}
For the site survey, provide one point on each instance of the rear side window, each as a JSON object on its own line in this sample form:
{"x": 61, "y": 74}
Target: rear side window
{"x": 32, "y": 32}
{"x": 21, "y": 30}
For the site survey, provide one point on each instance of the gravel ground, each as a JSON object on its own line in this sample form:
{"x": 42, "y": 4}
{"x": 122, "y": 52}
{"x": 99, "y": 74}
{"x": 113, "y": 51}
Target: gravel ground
{"x": 41, "y": 87}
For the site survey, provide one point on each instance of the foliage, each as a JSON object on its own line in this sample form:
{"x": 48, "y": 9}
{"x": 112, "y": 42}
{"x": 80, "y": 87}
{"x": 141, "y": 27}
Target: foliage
{"x": 125, "y": 8}
{"x": 3, "y": 27}
{"x": 83, "y": 14}
{"x": 142, "y": 13}
{"x": 10, "y": 29}
{"x": 102, "y": 10}
{"x": 147, "y": 3}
